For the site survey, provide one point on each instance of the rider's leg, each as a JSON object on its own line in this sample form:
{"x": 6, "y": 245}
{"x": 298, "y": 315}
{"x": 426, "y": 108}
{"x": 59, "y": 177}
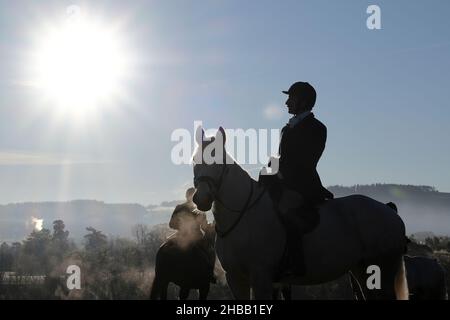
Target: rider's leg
{"x": 296, "y": 263}
{"x": 298, "y": 221}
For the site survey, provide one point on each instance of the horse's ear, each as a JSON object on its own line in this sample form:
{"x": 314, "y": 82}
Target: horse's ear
{"x": 221, "y": 132}
{"x": 199, "y": 135}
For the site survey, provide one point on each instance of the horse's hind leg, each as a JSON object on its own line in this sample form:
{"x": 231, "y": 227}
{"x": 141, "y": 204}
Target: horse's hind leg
{"x": 363, "y": 287}
{"x": 390, "y": 278}
{"x": 275, "y": 293}
{"x": 356, "y": 287}
{"x": 163, "y": 290}
{"x": 282, "y": 291}
{"x": 156, "y": 288}
{"x": 184, "y": 293}
{"x": 262, "y": 286}
{"x": 239, "y": 286}
{"x": 203, "y": 292}
{"x": 287, "y": 292}
{"x": 159, "y": 288}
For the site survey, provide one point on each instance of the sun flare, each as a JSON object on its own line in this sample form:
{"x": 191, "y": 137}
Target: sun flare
{"x": 79, "y": 66}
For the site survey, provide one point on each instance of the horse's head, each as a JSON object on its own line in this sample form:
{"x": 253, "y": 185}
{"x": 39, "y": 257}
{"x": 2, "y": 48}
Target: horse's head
{"x": 209, "y": 167}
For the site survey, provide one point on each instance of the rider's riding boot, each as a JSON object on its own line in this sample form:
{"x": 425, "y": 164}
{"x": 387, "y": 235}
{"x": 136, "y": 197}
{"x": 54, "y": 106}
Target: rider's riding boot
{"x": 296, "y": 262}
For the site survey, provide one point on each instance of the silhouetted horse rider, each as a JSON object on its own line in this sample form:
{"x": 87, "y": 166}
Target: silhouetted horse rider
{"x": 301, "y": 146}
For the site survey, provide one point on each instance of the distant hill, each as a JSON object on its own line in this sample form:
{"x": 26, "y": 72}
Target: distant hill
{"x": 113, "y": 219}
{"x": 423, "y": 209}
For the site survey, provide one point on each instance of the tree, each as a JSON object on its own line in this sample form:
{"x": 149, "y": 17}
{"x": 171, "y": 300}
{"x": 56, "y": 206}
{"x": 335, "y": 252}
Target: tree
{"x": 95, "y": 240}
{"x": 6, "y": 257}
{"x": 37, "y": 241}
{"x": 59, "y": 232}
{"x": 60, "y": 239}
{"x": 140, "y": 232}
{"x": 35, "y": 257}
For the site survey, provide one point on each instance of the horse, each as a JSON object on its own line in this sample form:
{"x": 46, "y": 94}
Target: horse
{"x": 282, "y": 291}
{"x": 354, "y": 232}
{"x": 426, "y": 278}
{"x": 185, "y": 259}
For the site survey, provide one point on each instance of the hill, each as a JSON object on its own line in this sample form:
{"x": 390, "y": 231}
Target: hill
{"x": 423, "y": 209}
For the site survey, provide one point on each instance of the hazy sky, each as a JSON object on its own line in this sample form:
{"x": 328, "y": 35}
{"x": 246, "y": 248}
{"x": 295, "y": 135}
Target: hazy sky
{"x": 383, "y": 94}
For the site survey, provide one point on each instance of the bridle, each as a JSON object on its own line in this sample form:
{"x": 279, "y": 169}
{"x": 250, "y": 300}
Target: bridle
{"x": 215, "y": 188}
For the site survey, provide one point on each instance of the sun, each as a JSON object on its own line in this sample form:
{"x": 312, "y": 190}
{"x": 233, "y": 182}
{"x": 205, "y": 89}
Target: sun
{"x": 79, "y": 66}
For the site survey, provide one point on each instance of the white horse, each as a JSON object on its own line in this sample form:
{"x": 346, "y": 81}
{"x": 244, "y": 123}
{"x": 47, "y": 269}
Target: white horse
{"x": 354, "y": 233}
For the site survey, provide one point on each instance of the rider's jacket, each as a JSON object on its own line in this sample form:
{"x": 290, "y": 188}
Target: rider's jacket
{"x": 301, "y": 147}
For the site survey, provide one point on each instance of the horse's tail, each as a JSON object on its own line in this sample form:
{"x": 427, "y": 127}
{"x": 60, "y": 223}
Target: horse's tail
{"x": 393, "y": 206}
{"x": 156, "y": 287}
{"x": 401, "y": 283}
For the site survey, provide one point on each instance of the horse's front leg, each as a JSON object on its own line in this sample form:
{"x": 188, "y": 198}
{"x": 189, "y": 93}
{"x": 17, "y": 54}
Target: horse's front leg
{"x": 262, "y": 285}
{"x": 239, "y": 286}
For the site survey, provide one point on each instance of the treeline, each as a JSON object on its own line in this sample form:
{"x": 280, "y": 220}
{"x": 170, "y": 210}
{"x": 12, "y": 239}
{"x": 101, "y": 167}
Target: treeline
{"x": 438, "y": 243}
{"x": 384, "y": 192}
{"x": 111, "y": 268}
{"x": 121, "y": 268}
{"x": 391, "y": 191}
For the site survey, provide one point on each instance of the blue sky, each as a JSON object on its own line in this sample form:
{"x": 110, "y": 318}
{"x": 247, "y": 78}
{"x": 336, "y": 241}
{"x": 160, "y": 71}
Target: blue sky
{"x": 383, "y": 94}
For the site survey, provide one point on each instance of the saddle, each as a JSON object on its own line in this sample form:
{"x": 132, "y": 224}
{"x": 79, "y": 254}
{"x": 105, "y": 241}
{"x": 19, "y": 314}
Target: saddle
{"x": 292, "y": 208}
